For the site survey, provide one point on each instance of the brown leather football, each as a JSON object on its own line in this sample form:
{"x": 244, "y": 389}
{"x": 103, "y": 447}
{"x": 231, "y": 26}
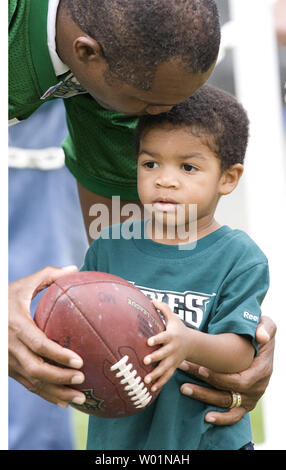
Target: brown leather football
{"x": 106, "y": 321}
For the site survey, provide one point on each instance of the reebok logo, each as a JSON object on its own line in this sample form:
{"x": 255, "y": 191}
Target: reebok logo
{"x": 251, "y": 317}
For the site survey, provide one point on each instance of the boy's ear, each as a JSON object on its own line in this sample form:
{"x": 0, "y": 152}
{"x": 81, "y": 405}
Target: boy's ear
{"x": 230, "y": 178}
{"x": 87, "y": 49}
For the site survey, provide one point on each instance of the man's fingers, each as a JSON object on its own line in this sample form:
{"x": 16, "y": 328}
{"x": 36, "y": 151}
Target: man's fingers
{"x": 47, "y": 380}
{"x": 216, "y": 379}
{"x": 37, "y": 370}
{"x": 206, "y": 395}
{"x": 59, "y": 395}
{"x": 266, "y": 330}
{"x": 216, "y": 398}
{"x": 62, "y": 396}
{"x": 46, "y": 348}
{"x": 189, "y": 367}
{"x": 47, "y": 276}
{"x": 22, "y": 291}
{"x": 225, "y": 418}
{"x": 27, "y": 335}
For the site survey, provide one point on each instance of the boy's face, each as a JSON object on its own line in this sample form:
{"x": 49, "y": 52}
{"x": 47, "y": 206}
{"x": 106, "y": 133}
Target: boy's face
{"x": 175, "y": 167}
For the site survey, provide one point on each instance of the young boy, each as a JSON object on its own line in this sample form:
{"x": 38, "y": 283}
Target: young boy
{"x": 212, "y": 282}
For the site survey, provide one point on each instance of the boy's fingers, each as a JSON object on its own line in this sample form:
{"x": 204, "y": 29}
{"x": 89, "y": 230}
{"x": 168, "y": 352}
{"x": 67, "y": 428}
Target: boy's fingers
{"x": 162, "y": 372}
{"x": 162, "y": 381}
{"x": 158, "y": 355}
{"x": 164, "y": 308}
{"x": 161, "y": 338}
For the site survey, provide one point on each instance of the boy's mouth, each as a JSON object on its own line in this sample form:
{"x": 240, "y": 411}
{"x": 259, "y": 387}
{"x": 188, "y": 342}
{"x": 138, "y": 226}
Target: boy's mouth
{"x": 165, "y": 205}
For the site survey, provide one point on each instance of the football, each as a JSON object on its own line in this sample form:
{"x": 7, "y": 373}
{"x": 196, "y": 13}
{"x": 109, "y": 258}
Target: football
{"x": 106, "y": 321}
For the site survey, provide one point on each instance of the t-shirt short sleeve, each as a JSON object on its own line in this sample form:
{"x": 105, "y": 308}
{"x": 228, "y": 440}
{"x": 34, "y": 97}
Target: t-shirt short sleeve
{"x": 238, "y": 305}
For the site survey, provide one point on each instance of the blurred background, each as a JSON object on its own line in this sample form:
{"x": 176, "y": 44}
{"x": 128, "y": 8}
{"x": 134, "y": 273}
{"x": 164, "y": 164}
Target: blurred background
{"x": 253, "y": 67}
{"x": 46, "y": 226}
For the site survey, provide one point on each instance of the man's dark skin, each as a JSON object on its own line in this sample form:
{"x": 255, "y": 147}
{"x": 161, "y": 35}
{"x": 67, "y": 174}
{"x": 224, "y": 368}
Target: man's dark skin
{"x": 27, "y": 344}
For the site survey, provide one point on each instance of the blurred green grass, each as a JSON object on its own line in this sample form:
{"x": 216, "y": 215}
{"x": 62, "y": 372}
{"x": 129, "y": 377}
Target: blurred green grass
{"x": 256, "y": 417}
{"x": 80, "y": 423}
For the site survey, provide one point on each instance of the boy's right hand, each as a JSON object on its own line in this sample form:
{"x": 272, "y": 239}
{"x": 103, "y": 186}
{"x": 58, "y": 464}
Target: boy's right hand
{"x": 172, "y": 351}
{"x": 30, "y": 349}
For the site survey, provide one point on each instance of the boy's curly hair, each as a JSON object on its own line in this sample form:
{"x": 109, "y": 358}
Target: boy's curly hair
{"x": 211, "y": 114}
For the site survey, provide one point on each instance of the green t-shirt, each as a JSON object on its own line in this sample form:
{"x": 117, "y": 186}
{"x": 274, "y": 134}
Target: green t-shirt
{"x": 216, "y": 287}
{"x": 99, "y": 150}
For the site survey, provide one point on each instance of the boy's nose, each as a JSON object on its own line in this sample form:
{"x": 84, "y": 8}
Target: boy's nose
{"x": 167, "y": 180}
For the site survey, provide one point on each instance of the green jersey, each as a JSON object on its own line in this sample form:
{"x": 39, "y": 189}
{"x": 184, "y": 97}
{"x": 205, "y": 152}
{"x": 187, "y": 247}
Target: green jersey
{"x": 99, "y": 149}
{"x": 216, "y": 287}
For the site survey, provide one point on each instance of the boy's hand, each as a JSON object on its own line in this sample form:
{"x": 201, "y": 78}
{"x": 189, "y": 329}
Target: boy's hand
{"x": 173, "y": 349}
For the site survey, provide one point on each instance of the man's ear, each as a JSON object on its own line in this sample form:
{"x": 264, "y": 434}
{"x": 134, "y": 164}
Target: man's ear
{"x": 230, "y": 178}
{"x": 87, "y": 49}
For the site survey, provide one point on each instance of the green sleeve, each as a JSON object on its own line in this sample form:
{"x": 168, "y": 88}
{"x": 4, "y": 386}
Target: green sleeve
{"x": 99, "y": 151}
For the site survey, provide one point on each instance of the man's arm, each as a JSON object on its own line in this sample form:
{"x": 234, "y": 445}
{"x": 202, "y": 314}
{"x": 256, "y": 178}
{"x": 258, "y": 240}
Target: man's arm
{"x": 251, "y": 383}
{"x": 279, "y": 9}
{"x": 88, "y": 199}
{"x": 30, "y": 351}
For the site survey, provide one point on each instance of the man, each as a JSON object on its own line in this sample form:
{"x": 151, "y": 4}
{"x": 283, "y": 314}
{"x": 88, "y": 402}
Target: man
{"x": 105, "y": 58}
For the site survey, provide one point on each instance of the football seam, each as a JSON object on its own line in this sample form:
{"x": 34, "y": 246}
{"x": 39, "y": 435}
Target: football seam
{"x": 136, "y": 389}
{"x": 147, "y": 395}
{"x": 52, "y": 308}
{"x": 91, "y": 326}
{"x": 64, "y": 291}
{"x": 79, "y": 283}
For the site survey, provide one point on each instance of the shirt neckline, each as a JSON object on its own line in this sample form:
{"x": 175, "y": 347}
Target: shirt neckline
{"x": 59, "y": 67}
{"x": 160, "y": 250}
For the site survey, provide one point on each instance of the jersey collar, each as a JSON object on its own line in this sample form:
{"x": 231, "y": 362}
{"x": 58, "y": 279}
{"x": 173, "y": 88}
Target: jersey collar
{"x": 38, "y": 35}
{"x": 59, "y": 67}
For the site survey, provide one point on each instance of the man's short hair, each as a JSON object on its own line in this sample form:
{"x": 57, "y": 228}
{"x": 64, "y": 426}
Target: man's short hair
{"x": 137, "y": 36}
{"x": 211, "y": 114}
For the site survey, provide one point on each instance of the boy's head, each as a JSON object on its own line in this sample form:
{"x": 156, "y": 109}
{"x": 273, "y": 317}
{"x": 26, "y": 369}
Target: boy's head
{"x": 193, "y": 154}
{"x": 211, "y": 114}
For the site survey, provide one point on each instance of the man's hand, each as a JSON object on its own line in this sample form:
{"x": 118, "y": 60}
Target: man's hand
{"x": 251, "y": 383}
{"x": 30, "y": 349}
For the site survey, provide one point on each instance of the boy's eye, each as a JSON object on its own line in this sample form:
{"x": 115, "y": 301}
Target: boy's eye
{"x": 188, "y": 168}
{"x": 151, "y": 165}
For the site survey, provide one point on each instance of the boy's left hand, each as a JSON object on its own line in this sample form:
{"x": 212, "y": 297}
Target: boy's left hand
{"x": 173, "y": 349}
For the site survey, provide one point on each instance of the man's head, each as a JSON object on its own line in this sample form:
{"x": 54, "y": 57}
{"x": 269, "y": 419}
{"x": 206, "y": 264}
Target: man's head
{"x": 167, "y": 45}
